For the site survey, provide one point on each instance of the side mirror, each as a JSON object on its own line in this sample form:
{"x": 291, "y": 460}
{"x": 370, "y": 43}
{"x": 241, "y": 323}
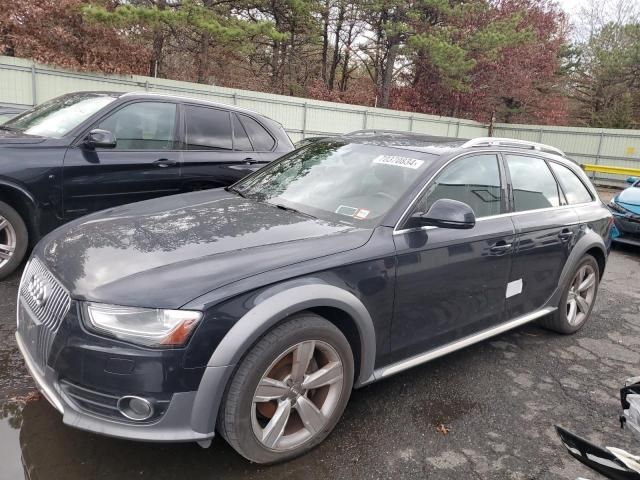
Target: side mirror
{"x": 632, "y": 180}
{"x": 445, "y": 213}
{"x": 100, "y": 138}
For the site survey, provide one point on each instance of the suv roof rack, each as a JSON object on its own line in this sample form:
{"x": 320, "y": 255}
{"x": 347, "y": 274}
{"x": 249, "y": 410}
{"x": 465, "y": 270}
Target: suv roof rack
{"x": 511, "y": 142}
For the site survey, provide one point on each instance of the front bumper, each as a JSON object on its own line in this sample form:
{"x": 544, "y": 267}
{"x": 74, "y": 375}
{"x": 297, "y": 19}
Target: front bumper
{"x": 173, "y": 426}
{"x": 627, "y": 229}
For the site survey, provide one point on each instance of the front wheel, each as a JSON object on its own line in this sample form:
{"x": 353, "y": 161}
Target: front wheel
{"x": 14, "y": 240}
{"x": 289, "y": 391}
{"x": 577, "y": 300}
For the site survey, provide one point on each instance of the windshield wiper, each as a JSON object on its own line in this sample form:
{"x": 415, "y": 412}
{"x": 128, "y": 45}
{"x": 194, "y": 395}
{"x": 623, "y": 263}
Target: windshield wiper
{"x": 236, "y": 191}
{"x": 290, "y": 209}
{"x": 10, "y": 129}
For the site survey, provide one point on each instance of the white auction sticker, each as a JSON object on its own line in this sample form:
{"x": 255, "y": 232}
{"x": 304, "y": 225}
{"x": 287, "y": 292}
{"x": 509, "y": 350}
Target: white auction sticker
{"x": 396, "y": 161}
{"x": 346, "y": 210}
{"x": 362, "y": 213}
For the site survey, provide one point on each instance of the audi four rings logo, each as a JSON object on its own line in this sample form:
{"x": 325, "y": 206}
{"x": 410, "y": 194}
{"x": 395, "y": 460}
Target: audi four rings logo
{"x": 38, "y": 290}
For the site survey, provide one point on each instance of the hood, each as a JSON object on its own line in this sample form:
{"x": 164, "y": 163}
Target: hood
{"x": 629, "y": 196}
{"x": 165, "y": 252}
{"x": 10, "y": 137}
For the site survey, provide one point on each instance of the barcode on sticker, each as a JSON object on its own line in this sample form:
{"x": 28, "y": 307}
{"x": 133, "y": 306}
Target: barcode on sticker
{"x": 396, "y": 161}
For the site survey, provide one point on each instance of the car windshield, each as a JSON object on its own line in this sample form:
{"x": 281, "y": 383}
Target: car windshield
{"x": 58, "y": 116}
{"x": 338, "y": 181}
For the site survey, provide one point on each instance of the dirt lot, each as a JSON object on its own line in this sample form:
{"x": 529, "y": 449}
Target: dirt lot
{"x": 498, "y": 399}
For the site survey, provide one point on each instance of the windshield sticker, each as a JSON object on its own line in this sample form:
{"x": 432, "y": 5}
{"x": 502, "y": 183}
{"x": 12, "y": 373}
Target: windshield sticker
{"x": 396, "y": 161}
{"x": 346, "y": 210}
{"x": 362, "y": 213}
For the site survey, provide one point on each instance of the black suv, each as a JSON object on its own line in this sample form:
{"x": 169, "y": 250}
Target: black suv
{"x": 254, "y": 310}
{"x": 88, "y": 151}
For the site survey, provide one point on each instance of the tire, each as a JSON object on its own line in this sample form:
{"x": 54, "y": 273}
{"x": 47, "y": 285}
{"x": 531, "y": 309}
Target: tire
{"x": 251, "y": 428}
{"x": 561, "y": 320}
{"x": 13, "y": 234}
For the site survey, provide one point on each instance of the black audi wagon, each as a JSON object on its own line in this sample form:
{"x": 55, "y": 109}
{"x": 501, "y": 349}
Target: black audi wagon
{"x": 88, "y": 151}
{"x": 253, "y": 310}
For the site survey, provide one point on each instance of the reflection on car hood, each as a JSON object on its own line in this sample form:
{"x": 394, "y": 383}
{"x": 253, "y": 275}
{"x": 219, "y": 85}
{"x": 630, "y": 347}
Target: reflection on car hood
{"x": 9, "y": 137}
{"x": 630, "y": 196}
{"x": 167, "y": 251}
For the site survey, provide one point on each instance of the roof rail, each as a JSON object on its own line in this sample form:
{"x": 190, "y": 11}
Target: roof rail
{"x": 511, "y": 142}
{"x": 375, "y": 131}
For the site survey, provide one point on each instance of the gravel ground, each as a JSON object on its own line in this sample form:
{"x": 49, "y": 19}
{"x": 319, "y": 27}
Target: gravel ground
{"x": 498, "y": 400}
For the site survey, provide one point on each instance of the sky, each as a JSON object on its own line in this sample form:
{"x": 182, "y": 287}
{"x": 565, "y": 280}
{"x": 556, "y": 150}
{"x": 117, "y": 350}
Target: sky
{"x": 571, "y": 7}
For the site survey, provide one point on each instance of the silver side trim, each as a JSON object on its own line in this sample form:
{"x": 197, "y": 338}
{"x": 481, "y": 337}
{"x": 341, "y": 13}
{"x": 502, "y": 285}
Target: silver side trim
{"x": 459, "y": 344}
{"x": 46, "y": 390}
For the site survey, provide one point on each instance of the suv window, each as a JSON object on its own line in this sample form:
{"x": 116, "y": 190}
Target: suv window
{"x": 574, "y": 189}
{"x": 260, "y": 138}
{"x": 533, "y": 184}
{"x": 473, "y": 180}
{"x": 143, "y": 126}
{"x": 207, "y": 128}
{"x": 240, "y": 138}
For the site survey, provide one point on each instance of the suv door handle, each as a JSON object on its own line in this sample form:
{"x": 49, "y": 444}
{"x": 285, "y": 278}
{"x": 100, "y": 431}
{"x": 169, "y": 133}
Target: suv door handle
{"x": 565, "y": 234}
{"x": 164, "y": 163}
{"x": 250, "y": 160}
{"x": 500, "y": 247}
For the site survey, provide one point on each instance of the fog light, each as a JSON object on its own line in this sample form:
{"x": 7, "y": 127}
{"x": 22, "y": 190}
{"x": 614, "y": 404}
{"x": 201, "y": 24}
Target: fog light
{"x": 135, "y": 408}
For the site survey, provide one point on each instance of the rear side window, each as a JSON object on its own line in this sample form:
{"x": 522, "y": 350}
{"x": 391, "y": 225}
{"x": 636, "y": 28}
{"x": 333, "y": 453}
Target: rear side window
{"x": 473, "y": 180}
{"x": 533, "y": 184}
{"x": 260, "y": 138}
{"x": 573, "y": 188}
{"x": 143, "y": 126}
{"x": 207, "y": 128}
{"x": 240, "y": 138}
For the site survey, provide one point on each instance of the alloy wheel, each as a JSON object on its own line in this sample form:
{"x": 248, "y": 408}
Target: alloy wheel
{"x": 581, "y": 294}
{"x": 297, "y": 395}
{"x": 7, "y": 241}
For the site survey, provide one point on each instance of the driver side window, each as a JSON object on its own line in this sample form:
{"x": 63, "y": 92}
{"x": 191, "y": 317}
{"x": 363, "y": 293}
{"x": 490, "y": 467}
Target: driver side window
{"x": 474, "y": 180}
{"x": 143, "y": 126}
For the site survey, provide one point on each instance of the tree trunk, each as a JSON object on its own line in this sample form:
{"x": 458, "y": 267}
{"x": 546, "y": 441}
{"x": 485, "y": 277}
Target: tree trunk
{"x": 387, "y": 76}
{"x": 202, "y": 73}
{"x": 155, "y": 65}
{"x": 203, "y": 59}
{"x": 325, "y": 40}
{"x": 275, "y": 64}
{"x": 344, "y": 78}
{"x": 336, "y": 48}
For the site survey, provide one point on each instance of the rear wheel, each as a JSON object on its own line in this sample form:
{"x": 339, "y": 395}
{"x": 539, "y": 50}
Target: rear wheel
{"x": 289, "y": 391}
{"x": 577, "y": 299}
{"x": 13, "y": 240}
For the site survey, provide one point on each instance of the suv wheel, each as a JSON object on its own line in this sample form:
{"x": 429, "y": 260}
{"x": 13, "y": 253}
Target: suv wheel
{"x": 13, "y": 240}
{"x": 289, "y": 391}
{"x": 577, "y": 299}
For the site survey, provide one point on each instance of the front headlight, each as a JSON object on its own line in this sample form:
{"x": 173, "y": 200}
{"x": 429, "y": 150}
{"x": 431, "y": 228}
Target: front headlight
{"x": 145, "y": 326}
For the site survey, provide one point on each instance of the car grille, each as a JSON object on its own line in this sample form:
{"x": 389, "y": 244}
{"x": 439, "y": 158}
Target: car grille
{"x": 629, "y": 224}
{"x": 43, "y": 304}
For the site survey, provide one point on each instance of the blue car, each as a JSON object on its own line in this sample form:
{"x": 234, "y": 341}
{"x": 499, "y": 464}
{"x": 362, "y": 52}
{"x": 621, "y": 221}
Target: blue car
{"x": 626, "y": 213}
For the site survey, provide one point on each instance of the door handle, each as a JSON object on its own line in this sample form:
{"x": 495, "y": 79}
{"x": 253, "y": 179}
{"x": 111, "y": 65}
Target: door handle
{"x": 164, "y": 163}
{"x": 500, "y": 247}
{"x": 250, "y": 160}
{"x": 565, "y": 234}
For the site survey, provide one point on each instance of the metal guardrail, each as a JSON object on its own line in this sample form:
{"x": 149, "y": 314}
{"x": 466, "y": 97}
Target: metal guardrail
{"x": 611, "y": 170}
